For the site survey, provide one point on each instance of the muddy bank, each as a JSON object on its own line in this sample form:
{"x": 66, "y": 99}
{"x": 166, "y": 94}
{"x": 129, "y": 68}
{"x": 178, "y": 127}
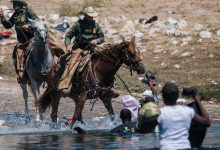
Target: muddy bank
{"x": 11, "y": 101}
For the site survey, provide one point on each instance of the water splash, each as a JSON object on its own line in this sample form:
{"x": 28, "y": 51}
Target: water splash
{"x": 17, "y": 123}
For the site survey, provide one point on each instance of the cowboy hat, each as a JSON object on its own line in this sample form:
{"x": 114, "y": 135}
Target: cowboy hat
{"x": 22, "y": 2}
{"x": 88, "y": 10}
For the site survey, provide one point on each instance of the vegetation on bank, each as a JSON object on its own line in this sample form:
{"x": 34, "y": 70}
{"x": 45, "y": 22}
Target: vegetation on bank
{"x": 7, "y": 67}
{"x": 70, "y": 9}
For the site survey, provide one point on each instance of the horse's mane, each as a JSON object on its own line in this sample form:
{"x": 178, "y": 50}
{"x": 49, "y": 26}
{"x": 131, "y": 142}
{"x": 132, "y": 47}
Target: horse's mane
{"x": 110, "y": 48}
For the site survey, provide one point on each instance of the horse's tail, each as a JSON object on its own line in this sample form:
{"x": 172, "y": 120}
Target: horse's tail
{"x": 45, "y": 100}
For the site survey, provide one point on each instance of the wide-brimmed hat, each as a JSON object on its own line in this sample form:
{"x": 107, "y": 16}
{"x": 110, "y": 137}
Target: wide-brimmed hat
{"x": 88, "y": 10}
{"x": 22, "y": 2}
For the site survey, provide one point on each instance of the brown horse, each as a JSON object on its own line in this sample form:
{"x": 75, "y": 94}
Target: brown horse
{"x": 96, "y": 80}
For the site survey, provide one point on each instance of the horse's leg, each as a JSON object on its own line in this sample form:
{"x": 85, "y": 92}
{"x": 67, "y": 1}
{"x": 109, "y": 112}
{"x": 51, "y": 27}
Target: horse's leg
{"x": 78, "y": 109}
{"x": 108, "y": 105}
{"x": 25, "y": 96}
{"x": 35, "y": 90}
{"x": 55, "y": 104}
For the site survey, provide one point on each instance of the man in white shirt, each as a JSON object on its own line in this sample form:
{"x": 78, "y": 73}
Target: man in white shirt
{"x": 174, "y": 120}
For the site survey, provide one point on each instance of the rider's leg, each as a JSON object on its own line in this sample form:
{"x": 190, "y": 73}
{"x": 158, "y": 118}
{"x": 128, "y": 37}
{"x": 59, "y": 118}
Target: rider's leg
{"x": 20, "y": 60}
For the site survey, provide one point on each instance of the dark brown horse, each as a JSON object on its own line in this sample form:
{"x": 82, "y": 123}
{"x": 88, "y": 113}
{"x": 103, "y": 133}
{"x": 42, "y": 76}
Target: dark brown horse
{"x": 96, "y": 80}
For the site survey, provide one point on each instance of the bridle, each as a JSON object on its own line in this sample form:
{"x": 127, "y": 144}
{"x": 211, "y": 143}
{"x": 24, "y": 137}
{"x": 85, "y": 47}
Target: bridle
{"x": 130, "y": 60}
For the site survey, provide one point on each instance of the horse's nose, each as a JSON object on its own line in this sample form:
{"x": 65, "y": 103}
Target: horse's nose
{"x": 44, "y": 36}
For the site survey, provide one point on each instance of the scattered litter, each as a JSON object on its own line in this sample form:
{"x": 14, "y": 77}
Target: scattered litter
{"x": 211, "y": 55}
{"x": 214, "y": 82}
{"x": 186, "y": 54}
{"x": 199, "y": 27}
{"x": 63, "y": 26}
{"x": 54, "y": 16}
{"x": 182, "y": 24}
{"x": 171, "y": 24}
{"x": 5, "y": 35}
{"x": 205, "y": 34}
{"x": 177, "y": 66}
{"x": 148, "y": 20}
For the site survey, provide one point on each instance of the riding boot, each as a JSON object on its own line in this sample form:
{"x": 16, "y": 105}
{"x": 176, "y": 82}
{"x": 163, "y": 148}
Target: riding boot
{"x": 20, "y": 56}
{"x": 22, "y": 78}
{"x": 114, "y": 93}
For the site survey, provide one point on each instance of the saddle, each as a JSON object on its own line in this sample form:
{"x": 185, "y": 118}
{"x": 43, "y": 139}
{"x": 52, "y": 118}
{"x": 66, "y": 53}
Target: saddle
{"x": 74, "y": 64}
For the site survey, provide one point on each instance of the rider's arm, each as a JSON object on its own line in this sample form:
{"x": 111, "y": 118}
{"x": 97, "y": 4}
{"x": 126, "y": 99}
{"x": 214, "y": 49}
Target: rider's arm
{"x": 100, "y": 35}
{"x": 154, "y": 92}
{"x": 7, "y": 23}
{"x": 72, "y": 32}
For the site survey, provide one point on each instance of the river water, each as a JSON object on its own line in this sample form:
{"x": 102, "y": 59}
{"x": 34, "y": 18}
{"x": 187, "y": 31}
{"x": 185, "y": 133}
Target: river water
{"x": 20, "y": 136}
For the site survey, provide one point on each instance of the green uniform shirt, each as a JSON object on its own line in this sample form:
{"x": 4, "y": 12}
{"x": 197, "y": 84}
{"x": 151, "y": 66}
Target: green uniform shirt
{"x": 18, "y": 19}
{"x": 84, "y": 31}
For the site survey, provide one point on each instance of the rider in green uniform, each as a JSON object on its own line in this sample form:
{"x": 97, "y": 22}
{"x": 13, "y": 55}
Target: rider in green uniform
{"x": 86, "y": 32}
{"x": 20, "y": 19}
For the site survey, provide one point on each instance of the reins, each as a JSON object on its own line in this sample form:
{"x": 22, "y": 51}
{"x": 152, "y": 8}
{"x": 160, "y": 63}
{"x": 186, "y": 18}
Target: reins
{"x": 115, "y": 66}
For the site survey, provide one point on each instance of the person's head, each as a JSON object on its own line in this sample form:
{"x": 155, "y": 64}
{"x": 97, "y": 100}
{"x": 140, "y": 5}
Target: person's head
{"x": 89, "y": 13}
{"x": 146, "y": 100}
{"x": 147, "y": 117}
{"x": 170, "y": 93}
{"x": 125, "y": 115}
{"x": 18, "y": 4}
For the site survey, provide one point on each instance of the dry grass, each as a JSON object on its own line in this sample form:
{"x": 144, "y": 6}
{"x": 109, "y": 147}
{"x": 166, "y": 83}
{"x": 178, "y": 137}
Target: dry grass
{"x": 68, "y": 9}
{"x": 7, "y": 67}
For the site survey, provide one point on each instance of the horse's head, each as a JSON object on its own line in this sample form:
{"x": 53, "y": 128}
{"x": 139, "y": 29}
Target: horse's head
{"x": 132, "y": 57}
{"x": 40, "y": 30}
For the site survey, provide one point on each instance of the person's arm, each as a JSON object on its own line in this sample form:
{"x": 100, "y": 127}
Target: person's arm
{"x": 72, "y": 32}
{"x": 203, "y": 118}
{"x": 6, "y": 23}
{"x": 100, "y": 35}
{"x": 150, "y": 83}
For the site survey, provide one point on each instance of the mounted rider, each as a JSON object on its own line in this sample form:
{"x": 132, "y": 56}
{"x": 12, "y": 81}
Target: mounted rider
{"x": 21, "y": 20}
{"x": 87, "y": 33}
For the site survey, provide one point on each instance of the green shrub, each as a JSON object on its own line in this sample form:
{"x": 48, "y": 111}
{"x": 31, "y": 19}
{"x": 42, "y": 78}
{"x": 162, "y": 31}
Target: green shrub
{"x": 210, "y": 92}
